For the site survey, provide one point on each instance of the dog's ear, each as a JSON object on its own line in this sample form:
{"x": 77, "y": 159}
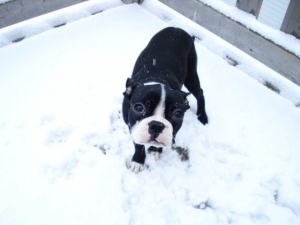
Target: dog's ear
{"x": 128, "y": 90}
{"x": 186, "y": 101}
{"x": 130, "y": 86}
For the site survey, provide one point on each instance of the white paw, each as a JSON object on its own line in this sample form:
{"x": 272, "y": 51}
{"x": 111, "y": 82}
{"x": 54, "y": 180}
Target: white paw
{"x": 156, "y": 155}
{"x": 134, "y": 166}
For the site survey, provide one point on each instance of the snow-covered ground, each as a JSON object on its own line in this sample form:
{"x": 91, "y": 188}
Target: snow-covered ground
{"x": 63, "y": 143}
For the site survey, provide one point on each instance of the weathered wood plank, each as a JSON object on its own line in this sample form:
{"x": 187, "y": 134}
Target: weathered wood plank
{"x": 19, "y": 10}
{"x": 291, "y": 21}
{"x": 249, "y": 6}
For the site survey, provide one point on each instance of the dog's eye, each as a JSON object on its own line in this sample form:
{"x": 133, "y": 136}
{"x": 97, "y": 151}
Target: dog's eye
{"x": 177, "y": 114}
{"x": 138, "y": 108}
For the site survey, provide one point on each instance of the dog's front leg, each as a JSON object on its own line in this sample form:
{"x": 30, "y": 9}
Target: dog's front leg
{"x": 155, "y": 151}
{"x": 138, "y": 159}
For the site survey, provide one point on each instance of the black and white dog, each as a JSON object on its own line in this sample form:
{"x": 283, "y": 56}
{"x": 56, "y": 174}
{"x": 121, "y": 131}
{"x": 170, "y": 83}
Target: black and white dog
{"x": 154, "y": 105}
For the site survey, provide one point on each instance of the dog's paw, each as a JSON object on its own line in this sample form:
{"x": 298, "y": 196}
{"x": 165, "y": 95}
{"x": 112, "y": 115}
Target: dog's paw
{"x": 156, "y": 152}
{"x": 134, "y": 166}
{"x": 203, "y": 118}
{"x": 156, "y": 155}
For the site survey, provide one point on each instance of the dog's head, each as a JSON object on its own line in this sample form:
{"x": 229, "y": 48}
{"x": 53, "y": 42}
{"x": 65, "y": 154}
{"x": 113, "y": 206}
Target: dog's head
{"x": 155, "y": 114}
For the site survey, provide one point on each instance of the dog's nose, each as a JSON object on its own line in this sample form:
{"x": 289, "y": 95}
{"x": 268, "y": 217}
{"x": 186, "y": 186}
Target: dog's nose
{"x": 155, "y": 128}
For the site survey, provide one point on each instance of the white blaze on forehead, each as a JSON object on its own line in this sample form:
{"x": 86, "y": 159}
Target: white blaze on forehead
{"x": 160, "y": 108}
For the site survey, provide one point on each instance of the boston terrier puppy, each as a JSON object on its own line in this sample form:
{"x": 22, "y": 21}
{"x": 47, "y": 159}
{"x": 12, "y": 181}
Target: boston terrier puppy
{"x": 154, "y": 105}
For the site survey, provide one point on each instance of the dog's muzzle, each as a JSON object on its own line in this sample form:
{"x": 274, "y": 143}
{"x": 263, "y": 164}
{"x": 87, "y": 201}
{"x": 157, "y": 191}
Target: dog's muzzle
{"x": 155, "y": 128}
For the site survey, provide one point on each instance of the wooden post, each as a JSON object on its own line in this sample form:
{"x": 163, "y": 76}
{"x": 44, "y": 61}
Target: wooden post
{"x": 291, "y": 21}
{"x": 249, "y": 6}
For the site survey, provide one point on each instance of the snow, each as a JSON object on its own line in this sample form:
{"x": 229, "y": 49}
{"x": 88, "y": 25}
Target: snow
{"x": 4, "y": 1}
{"x": 63, "y": 143}
{"x": 287, "y": 41}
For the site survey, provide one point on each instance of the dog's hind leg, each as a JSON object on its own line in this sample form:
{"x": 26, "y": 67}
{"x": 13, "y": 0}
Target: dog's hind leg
{"x": 192, "y": 83}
